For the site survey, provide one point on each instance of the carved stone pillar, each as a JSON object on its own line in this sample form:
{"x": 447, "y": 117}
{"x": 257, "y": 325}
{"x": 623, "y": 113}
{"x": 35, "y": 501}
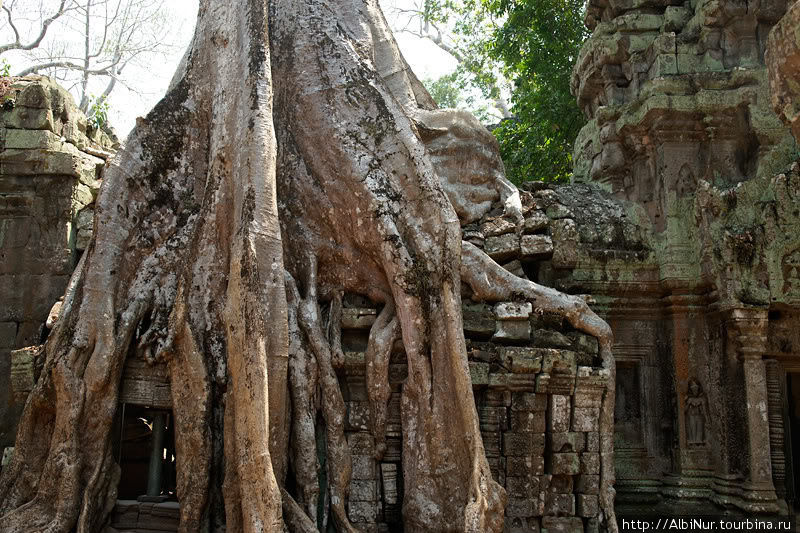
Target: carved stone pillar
{"x": 775, "y": 386}
{"x": 748, "y": 331}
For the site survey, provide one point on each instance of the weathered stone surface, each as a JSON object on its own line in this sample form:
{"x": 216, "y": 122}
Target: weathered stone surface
{"x": 502, "y": 247}
{"x": 589, "y": 463}
{"x": 497, "y": 226}
{"x": 528, "y": 421}
{"x": 565, "y": 464}
{"x": 567, "y": 442}
{"x": 586, "y": 505}
{"x": 512, "y": 330}
{"x": 585, "y": 419}
{"x": 562, "y": 525}
{"x": 559, "y": 413}
{"x": 536, "y": 221}
{"x": 23, "y": 362}
{"x": 783, "y": 63}
{"x": 587, "y": 484}
{"x": 522, "y": 444}
{"x": 536, "y": 245}
{"x": 513, "y": 310}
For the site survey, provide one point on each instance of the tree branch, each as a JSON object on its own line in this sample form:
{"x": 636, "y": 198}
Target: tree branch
{"x": 17, "y": 45}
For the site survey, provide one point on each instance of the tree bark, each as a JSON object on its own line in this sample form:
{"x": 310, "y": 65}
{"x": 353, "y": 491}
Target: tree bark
{"x": 186, "y": 267}
{"x": 224, "y": 228}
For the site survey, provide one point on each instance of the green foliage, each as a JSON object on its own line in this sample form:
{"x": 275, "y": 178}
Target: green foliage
{"x": 538, "y": 45}
{"x": 5, "y": 68}
{"x": 534, "y": 44}
{"x": 445, "y": 91}
{"x": 449, "y": 91}
{"x": 98, "y": 111}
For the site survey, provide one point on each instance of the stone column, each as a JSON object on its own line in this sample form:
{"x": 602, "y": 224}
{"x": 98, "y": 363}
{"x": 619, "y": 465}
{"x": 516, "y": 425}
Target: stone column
{"x": 748, "y": 330}
{"x": 775, "y": 395}
{"x": 156, "y": 456}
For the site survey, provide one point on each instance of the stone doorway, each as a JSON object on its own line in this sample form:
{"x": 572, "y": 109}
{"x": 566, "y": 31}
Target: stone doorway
{"x": 145, "y": 451}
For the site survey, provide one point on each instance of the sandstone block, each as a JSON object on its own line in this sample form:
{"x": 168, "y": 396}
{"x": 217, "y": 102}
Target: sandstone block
{"x": 492, "y": 443}
{"x": 536, "y": 245}
{"x": 559, "y": 413}
{"x": 492, "y": 418}
{"x": 479, "y": 373}
{"x": 522, "y": 444}
{"x": 22, "y": 369}
{"x": 557, "y": 211}
{"x": 7, "y": 454}
{"x": 523, "y": 507}
{"x": 565, "y": 243}
{"x": 590, "y": 463}
{"x": 567, "y": 464}
{"x": 515, "y": 267}
{"x": 559, "y": 504}
{"x": 364, "y": 490}
{"x": 584, "y": 343}
{"x": 357, "y": 416}
{"x": 497, "y": 226}
{"x": 542, "y": 383}
{"x": 478, "y": 321}
{"x": 528, "y": 401}
{"x": 592, "y": 441}
{"x": 547, "y": 338}
{"x": 522, "y": 487}
{"x": 559, "y": 383}
{"x": 558, "y": 484}
{"x": 567, "y": 442}
{"x": 587, "y": 505}
{"x": 29, "y": 333}
{"x": 588, "y": 484}
{"x": 522, "y": 360}
{"x": 586, "y": 419}
{"x": 35, "y": 95}
{"x": 364, "y": 467}
{"x": 562, "y": 525}
{"x": 389, "y": 480}
{"x": 513, "y": 310}
{"x": 363, "y": 512}
{"x": 502, "y": 247}
{"x": 588, "y": 398}
{"x": 29, "y": 118}
{"x": 526, "y": 465}
{"x": 536, "y": 221}
{"x": 528, "y": 421}
{"x": 512, "y": 330}
{"x": 676, "y": 17}
{"x": 559, "y": 361}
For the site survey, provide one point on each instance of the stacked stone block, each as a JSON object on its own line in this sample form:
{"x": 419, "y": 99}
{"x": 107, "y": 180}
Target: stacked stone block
{"x": 50, "y": 168}
{"x": 537, "y": 383}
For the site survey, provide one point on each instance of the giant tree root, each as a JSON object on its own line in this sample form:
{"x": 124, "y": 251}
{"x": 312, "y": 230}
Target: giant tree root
{"x": 216, "y": 197}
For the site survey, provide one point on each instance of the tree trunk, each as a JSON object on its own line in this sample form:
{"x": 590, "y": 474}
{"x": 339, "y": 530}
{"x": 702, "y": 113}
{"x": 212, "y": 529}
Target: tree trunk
{"x": 223, "y": 227}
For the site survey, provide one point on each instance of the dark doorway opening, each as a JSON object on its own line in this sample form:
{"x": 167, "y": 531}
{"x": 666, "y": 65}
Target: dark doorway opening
{"x": 145, "y": 452}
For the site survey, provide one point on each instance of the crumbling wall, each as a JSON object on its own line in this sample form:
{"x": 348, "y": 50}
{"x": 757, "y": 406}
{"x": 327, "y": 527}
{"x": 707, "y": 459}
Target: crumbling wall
{"x": 50, "y": 173}
{"x": 538, "y": 387}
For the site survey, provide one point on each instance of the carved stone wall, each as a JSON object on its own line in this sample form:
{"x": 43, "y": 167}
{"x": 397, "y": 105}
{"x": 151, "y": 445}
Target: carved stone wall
{"x": 683, "y": 133}
{"x": 49, "y": 177}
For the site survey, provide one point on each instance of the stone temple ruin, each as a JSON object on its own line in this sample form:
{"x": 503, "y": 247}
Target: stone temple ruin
{"x": 682, "y": 229}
